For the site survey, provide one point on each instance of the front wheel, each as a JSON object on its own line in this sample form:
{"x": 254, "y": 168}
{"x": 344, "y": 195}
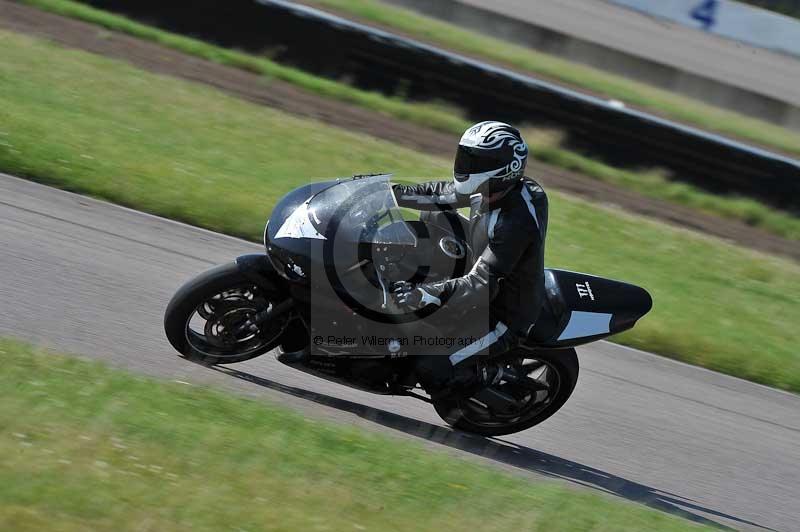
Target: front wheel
{"x": 550, "y": 377}
{"x": 204, "y": 319}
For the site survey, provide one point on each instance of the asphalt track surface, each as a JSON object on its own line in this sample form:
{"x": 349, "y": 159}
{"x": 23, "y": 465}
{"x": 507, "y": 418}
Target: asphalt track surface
{"x": 725, "y": 60}
{"x": 89, "y": 277}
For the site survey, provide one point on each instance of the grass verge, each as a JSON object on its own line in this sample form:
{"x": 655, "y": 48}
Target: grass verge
{"x": 448, "y": 120}
{"x": 97, "y": 126}
{"x": 742, "y": 209}
{"x": 433, "y": 116}
{"x": 634, "y": 93}
{"x": 656, "y": 184}
{"x": 101, "y": 449}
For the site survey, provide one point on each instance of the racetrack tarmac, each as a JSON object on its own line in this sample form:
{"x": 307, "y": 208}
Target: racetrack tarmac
{"x": 89, "y": 277}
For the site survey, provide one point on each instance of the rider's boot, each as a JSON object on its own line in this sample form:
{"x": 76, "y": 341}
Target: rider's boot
{"x": 442, "y": 380}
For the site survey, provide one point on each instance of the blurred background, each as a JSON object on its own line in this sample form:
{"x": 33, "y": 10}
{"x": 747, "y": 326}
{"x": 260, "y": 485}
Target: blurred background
{"x": 667, "y": 135}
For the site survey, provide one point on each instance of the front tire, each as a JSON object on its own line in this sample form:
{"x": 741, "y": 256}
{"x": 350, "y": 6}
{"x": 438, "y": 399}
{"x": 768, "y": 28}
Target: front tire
{"x": 202, "y": 316}
{"x": 560, "y": 373}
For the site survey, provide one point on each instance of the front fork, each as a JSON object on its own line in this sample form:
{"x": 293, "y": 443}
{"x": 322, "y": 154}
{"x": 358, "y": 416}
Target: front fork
{"x": 253, "y": 325}
{"x": 257, "y": 268}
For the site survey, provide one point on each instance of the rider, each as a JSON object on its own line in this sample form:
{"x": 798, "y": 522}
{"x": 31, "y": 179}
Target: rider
{"x": 507, "y": 226}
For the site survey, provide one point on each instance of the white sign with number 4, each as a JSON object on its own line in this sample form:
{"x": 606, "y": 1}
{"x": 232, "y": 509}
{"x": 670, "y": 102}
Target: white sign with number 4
{"x": 727, "y": 18}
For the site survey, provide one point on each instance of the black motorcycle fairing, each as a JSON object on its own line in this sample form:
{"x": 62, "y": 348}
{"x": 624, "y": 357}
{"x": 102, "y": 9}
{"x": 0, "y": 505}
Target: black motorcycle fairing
{"x": 256, "y": 267}
{"x": 290, "y": 257}
{"x": 554, "y": 314}
{"x": 381, "y": 375}
{"x": 581, "y": 308}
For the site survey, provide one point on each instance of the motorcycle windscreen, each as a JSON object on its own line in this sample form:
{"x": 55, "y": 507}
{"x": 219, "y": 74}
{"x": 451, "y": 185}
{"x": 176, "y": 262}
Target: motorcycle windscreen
{"x": 361, "y": 211}
{"x": 361, "y": 226}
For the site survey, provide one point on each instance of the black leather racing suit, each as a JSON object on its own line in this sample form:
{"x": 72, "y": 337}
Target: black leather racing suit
{"x": 506, "y": 240}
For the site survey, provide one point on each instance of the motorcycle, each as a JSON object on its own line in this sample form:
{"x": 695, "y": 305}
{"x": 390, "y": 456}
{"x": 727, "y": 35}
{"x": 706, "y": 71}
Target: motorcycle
{"x": 320, "y": 297}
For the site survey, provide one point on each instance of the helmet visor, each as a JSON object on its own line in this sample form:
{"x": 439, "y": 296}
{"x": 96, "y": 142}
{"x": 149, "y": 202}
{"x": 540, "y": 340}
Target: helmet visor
{"x": 477, "y": 161}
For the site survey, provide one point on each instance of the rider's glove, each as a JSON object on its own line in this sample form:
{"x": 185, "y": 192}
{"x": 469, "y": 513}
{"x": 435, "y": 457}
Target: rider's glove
{"x": 412, "y": 297}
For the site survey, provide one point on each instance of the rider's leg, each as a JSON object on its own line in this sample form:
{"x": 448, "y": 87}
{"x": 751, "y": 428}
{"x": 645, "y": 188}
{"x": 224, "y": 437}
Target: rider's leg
{"x": 468, "y": 367}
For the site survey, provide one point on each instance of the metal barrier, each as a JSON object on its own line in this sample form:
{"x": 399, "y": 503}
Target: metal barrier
{"x": 375, "y": 59}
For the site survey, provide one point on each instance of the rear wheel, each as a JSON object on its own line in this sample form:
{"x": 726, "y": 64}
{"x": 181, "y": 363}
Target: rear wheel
{"x": 204, "y": 319}
{"x": 547, "y": 379}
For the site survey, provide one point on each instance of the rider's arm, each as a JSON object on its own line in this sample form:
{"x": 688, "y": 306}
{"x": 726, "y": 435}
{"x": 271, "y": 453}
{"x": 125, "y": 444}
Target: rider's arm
{"x": 482, "y": 284}
{"x": 431, "y": 196}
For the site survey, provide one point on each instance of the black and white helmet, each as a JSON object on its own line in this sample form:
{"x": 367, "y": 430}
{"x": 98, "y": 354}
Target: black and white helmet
{"x": 491, "y": 156}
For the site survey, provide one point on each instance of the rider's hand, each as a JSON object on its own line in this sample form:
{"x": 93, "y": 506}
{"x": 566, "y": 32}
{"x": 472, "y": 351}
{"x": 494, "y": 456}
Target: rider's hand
{"x": 412, "y": 297}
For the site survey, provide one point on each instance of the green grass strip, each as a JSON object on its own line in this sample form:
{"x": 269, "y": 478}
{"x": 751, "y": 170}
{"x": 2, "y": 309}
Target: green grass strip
{"x": 662, "y": 102}
{"x": 430, "y": 115}
{"x": 101, "y": 449}
{"x": 443, "y": 119}
{"x": 656, "y": 184}
{"x": 101, "y": 127}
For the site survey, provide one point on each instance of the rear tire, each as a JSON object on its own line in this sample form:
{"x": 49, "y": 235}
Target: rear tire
{"x": 565, "y": 363}
{"x": 191, "y": 299}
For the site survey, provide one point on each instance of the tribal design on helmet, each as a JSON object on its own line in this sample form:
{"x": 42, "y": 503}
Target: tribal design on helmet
{"x": 491, "y": 156}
